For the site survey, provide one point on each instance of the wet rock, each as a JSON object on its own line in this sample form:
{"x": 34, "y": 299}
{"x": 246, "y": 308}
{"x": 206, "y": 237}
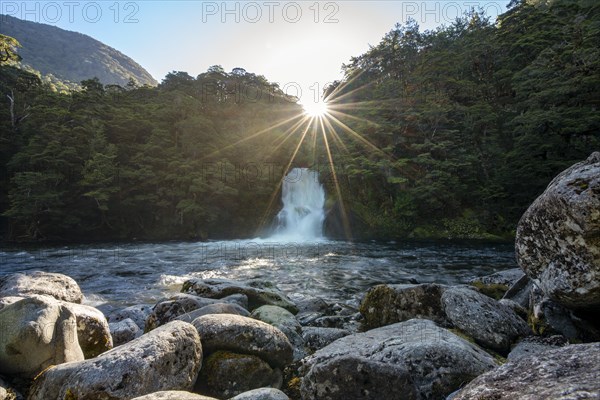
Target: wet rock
{"x": 59, "y": 286}
{"x": 285, "y": 321}
{"x": 37, "y": 332}
{"x": 415, "y": 359}
{"x": 262, "y": 394}
{"x": 217, "y": 308}
{"x": 388, "y": 304}
{"x": 173, "y": 395}
{"x": 178, "y": 305}
{"x": 257, "y": 296}
{"x": 489, "y": 323}
{"x": 308, "y": 304}
{"x": 124, "y": 331}
{"x": 227, "y": 374}
{"x": 168, "y": 358}
{"x": 495, "y": 285}
{"x": 547, "y": 317}
{"x": 535, "y": 344}
{"x": 138, "y": 313}
{"x": 244, "y": 336}
{"x": 93, "y": 331}
{"x": 558, "y": 240}
{"x": 570, "y": 372}
{"x": 316, "y": 338}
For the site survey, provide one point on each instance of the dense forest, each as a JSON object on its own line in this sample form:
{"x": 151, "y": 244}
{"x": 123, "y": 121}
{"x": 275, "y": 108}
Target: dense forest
{"x": 448, "y": 133}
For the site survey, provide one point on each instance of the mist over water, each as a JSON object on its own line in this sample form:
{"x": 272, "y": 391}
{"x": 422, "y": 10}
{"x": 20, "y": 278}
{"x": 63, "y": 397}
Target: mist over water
{"x": 302, "y": 216}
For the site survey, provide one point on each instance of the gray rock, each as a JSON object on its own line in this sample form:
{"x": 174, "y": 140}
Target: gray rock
{"x": 138, "y": 313}
{"x": 173, "y": 395}
{"x": 37, "y": 332}
{"x": 181, "y": 304}
{"x": 244, "y": 336}
{"x": 257, "y": 296}
{"x": 93, "y": 331}
{"x": 262, "y": 394}
{"x": 534, "y": 345}
{"x": 570, "y": 372}
{"x": 217, "y": 308}
{"x": 520, "y": 292}
{"x": 415, "y": 359}
{"x": 388, "y": 304}
{"x": 227, "y": 374}
{"x": 489, "y": 323}
{"x": 285, "y": 321}
{"x": 124, "y": 331}
{"x": 59, "y": 286}
{"x": 168, "y": 358}
{"x": 549, "y": 317}
{"x": 316, "y": 338}
{"x": 557, "y": 241}
{"x": 308, "y": 304}
{"x": 516, "y": 307}
{"x": 495, "y": 285}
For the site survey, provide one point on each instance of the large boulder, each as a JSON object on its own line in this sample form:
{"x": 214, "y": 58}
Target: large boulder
{"x": 558, "y": 240}
{"x": 415, "y": 359}
{"x": 59, "y": 286}
{"x": 93, "y": 331}
{"x": 493, "y": 325}
{"x": 258, "y": 294}
{"x": 168, "y": 358}
{"x": 225, "y": 374}
{"x": 37, "y": 332}
{"x": 244, "y": 335}
{"x": 285, "y": 321}
{"x": 388, "y": 304}
{"x": 535, "y": 344}
{"x": 173, "y": 395}
{"x": 570, "y": 372}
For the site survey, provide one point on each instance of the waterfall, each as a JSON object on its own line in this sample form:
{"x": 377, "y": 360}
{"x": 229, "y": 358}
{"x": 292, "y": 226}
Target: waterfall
{"x": 302, "y": 215}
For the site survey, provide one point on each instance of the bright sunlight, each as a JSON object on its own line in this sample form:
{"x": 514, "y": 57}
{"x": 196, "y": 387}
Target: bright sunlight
{"x": 315, "y": 109}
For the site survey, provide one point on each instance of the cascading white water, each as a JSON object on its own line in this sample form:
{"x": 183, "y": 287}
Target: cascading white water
{"x": 302, "y": 215}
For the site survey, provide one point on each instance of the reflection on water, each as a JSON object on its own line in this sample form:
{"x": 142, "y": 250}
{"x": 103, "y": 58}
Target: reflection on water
{"x": 337, "y": 271}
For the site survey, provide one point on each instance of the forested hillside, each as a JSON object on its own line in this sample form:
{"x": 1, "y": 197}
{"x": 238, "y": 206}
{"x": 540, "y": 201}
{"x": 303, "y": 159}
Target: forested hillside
{"x": 71, "y": 56}
{"x": 448, "y": 133}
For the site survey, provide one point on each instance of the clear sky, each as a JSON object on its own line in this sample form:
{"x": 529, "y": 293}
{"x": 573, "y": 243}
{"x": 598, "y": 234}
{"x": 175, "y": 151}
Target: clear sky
{"x": 301, "y": 45}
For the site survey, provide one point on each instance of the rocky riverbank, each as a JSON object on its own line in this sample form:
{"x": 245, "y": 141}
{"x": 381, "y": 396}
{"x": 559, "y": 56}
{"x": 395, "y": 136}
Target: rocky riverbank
{"x": 528, "y": 333}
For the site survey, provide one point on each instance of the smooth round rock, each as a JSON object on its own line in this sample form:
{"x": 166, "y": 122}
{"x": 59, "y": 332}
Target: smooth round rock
{"x": 37, "y": 332}
{"x": 492, "y": 324}
{"x": 93, "y": 331}
{"x": 558, "y": 237}
{"x": 244, "y": 335}
{"x": 173, "y": 395}
{"x": 124, "y": 331}
{"x": 59, "y": 286}
{"x": 217, "y": 308}
{"x": 415, "y": 359}
{"x": 227, "y": 374}
{"x": 168, "y": 358}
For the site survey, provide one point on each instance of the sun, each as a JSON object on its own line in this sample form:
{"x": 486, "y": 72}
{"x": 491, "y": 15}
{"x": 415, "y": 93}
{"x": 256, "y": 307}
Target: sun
{"x": 315, "y": 109}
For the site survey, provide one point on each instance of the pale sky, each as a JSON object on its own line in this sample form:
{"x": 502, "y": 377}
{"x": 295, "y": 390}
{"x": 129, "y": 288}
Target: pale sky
{"x": 301, "y": 45}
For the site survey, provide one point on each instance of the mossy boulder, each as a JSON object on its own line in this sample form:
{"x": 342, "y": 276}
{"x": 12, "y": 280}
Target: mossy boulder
{"x": 226, "y": 374}
{"x": 388, "y": 304}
